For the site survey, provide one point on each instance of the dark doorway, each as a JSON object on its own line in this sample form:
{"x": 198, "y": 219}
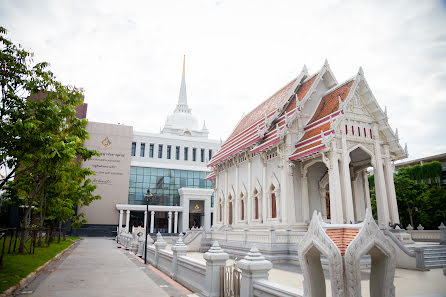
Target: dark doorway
{"x": 136, "y": 219}
{"x": 196, "y": 220}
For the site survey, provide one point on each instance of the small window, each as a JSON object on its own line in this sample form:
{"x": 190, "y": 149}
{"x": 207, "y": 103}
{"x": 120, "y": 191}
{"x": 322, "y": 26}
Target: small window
{"x": 230, "y": 213}
{"x": 371, "y": 135}
{"x": 242, "y": 208}
{"x": 151, "y": 147}
{"x": 186, "y": 152}
{"x": 169, "y": 151}
{"x": 142, "y": 149}
{"x": 194, "y": 154}
{"x": 160, "y": 151}
{"x": 210, "y": 155}
{"x": 273, "y": 206}
{"x": 353, "y": 131}
{"x": 359, "y": 131}
{"x": 133, "y": 149}
{"x": 202, "y": 155}
{"x": 346, "y": 130}
{"x": 177, "y": 153}
{"x": 256, "y": 208}
{"x": 365, "y": 133}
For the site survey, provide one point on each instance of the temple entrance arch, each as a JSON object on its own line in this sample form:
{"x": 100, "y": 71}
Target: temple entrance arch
{"x": 360, "y": 159}
{"x": 314, "y": 188}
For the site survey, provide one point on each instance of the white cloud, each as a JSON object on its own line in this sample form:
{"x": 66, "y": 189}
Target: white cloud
{"x": 127, "y": 56}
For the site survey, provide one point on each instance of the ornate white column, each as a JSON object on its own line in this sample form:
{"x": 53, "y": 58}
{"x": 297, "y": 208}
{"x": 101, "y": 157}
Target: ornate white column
{"x": 226, "y": 200}
{"x": 290, "y": 203}
{"x": 169, "y": 222}
{"x": 236, "y": 199}
{"x": 264, "y": 189}
{"x": 185, "y": 214}
{"x": 152, "y": 221}
{"x": 145, "y": 219}
{"x": 127, "y": 221}
{"x": 380, "y": 184}
{"x": 207, "y": 214}
{"x": 284, "y": 196}
{"x": 346, "y": 183}
{"x": 336, "y": 212}
{"x": 390, "y": 186}
{"x": 120, "y": 219}
{"x": 368, "y": 203}
{"x": 359, "y": 216}
{"x": 305, "y": 202}
{"x": 249, "y": 198}
{"x": 175, "y": 222}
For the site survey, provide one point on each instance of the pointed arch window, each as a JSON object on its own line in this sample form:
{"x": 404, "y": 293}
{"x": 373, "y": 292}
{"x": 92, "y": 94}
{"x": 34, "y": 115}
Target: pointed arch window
{"x": 230, "y": 213}
{"x": 273, "y": 206}
{"x": 242, "y": 209}
{"x": 256, "y": 205}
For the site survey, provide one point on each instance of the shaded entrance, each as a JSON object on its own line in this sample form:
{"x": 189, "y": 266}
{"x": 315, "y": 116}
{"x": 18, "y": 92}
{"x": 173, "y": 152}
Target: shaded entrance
{"x": 196, "y": 213}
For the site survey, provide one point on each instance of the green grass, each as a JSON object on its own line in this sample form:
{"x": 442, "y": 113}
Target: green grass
{"x": 16, "y": 267}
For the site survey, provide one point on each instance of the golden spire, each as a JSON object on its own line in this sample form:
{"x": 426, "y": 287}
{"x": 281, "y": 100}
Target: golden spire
{"x": 184, "y": 64}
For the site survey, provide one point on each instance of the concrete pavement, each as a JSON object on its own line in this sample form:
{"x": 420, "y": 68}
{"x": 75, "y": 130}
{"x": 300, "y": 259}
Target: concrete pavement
{"x": 98, "y": 268}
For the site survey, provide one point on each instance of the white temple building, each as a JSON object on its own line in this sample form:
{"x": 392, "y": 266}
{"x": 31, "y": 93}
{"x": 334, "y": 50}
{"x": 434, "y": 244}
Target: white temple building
{"x": 307, "y": 148}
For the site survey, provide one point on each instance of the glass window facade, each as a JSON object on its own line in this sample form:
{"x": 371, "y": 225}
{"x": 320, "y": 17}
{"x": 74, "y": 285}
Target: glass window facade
{"x": 164, "y": 184}
{"x": 169, "y": 151}
{"x": 133, "y": 149}
{"x": 160, "y": 151}
{"x": 151, "y": 150}
{"x": 142, "y": 150}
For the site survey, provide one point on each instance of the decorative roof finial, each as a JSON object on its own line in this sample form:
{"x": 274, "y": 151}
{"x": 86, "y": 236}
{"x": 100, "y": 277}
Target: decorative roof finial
{"x": 184, "y": 65}
{"x": 405, "y": 149}
{"x": 340, "y": 101}
{"x": 396, "y": 133}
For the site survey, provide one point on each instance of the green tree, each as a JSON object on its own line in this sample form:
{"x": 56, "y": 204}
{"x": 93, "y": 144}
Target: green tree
{"x": 42, "y": 139}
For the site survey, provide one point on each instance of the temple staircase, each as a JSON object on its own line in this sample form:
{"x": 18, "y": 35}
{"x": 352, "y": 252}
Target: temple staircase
{"x": 434, "y": 256}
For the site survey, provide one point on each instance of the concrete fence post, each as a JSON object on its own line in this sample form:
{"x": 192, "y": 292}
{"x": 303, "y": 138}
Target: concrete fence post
{"x": 253, "y": 267}
{"x": 442, "y": 228}
{"x": 160, "y": 244}
{"x": 179, "y": 249}
{"x": 215, "y": 259}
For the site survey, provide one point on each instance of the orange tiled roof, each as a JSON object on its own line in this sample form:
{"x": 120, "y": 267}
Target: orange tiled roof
{"x": 328, "y": 105}
{"x": 315, "y": 131}
{"x": 259, "y": 112}
{"x": 342, "y": 237}
{"x": 272, "y": 137}
{"x": 330, "y": 102}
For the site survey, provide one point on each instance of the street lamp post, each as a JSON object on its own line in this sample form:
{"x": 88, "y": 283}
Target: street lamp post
{"x": 147, "y": 198}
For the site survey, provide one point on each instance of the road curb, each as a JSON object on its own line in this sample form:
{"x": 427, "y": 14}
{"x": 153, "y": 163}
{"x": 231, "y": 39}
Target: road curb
{"x": 25, "y": 281}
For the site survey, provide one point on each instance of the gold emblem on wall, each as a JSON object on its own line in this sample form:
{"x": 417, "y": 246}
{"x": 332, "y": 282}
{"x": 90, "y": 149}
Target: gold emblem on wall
{"x": 106, "y": 142}
{"x": 197, "y": 207}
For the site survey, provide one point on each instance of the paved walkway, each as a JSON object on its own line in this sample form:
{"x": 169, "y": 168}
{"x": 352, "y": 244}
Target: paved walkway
{"x": 98, "y": 268}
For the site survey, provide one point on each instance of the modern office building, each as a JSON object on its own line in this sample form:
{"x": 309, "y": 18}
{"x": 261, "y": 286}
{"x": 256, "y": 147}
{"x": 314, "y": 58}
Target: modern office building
{"x": 172, "y": 164}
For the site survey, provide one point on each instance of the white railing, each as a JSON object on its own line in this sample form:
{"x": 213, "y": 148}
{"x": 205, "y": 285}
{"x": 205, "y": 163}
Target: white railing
{"x": 425, "y": 235}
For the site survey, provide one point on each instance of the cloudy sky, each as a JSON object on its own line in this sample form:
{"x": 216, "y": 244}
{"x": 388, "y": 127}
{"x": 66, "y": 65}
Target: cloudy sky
{"x": 127, "y": 55}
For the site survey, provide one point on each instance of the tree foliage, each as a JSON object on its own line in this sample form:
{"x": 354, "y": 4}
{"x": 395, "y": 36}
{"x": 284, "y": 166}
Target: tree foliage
{"x": 41, "y": 139}
{"x": 421, "y": 198}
